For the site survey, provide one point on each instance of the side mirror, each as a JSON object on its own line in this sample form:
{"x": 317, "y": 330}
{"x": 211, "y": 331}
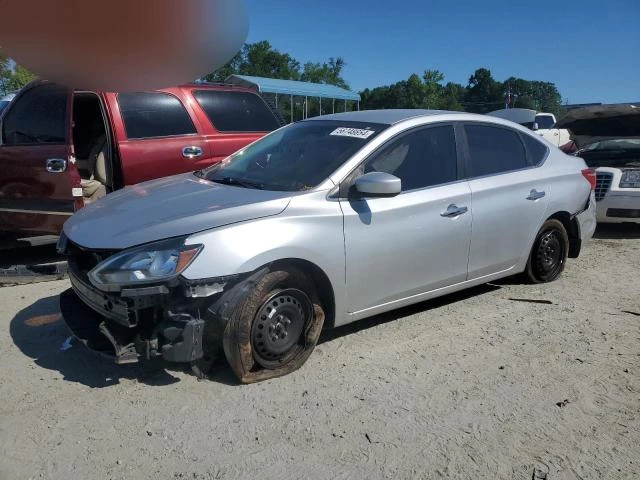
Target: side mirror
{"x": 535, "y": 126}
{"x": 378, "y": 184}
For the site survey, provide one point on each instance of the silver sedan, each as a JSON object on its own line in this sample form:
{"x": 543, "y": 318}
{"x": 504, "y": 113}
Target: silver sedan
{"x": 321, "y": 223}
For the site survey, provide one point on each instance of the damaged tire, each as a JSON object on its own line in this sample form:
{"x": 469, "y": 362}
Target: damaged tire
{"x": 273, "y": 326}
{"x": 549, "y": 253}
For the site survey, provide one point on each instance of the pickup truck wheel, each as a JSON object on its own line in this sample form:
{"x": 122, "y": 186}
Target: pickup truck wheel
{"x": 274, "y": 327}
{"x": 549, "y": 253}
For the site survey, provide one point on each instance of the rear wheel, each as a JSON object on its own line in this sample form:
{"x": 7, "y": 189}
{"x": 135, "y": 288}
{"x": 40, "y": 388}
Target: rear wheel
{"x": 549, "y": 253}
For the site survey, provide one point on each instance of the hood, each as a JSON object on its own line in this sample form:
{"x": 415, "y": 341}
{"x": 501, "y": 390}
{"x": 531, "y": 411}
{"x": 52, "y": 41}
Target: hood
{"x": 165, "y": 208}
{"x": 602, "y": 122}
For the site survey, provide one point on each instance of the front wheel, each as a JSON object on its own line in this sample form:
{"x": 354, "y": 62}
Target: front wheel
{"x": 549, "y": 253}
{"x": 274, "y": 327}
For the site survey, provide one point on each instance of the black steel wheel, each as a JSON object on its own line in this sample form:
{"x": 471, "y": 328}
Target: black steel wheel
{"x": 277, "y": 327}
{"x": 549, "y": 253}
{"x": 274, "y": 321}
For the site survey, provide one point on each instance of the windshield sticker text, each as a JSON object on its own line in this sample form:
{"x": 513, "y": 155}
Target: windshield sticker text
{"x": 352, "y": 132}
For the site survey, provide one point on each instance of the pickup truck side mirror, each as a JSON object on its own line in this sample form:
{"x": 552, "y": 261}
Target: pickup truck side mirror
{"x": 535, "y": 126}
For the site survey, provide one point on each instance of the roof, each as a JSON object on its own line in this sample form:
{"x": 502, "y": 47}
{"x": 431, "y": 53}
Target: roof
{"x": 293, "y": 87}
{"x": 388, "y": 117}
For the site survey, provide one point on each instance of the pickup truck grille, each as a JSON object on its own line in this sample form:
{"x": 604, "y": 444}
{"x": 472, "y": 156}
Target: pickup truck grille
{"x": 603, "y": 183}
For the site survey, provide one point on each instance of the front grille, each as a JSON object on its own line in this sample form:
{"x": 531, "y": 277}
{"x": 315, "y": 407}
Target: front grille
{"x": 603, "y": 183}
{"x": 85, "y": 260}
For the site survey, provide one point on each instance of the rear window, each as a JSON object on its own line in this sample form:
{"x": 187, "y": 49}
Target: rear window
{"x": 231, "y": 111}
{"x": 544, "y": 121}
{"x": 494, "y": 150}
{"x": 154, "y": 114}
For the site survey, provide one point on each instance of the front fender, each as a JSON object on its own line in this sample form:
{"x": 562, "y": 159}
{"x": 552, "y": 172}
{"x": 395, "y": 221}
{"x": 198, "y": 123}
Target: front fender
{"x": 310, "y": 229}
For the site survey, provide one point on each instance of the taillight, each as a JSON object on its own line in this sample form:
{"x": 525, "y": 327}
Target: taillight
{"x": 590, "y": 175}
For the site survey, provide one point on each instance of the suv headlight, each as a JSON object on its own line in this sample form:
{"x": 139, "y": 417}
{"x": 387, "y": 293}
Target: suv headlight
{"x": 630, "y": 179}
{"x": 146, "y": 264}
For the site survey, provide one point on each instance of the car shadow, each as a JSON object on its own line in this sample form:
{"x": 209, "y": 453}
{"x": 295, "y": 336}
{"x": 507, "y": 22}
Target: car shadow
{"x": 617, "y": 231}
{"x": 355, "y": 327}
{"x": 40, "y": 333}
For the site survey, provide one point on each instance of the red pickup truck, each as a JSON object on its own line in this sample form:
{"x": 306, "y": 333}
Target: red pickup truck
{"x": 61, "y": 148}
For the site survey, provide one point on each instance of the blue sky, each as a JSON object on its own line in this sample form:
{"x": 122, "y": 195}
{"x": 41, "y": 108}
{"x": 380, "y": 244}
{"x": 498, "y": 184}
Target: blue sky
{"x": 590, "y": 49}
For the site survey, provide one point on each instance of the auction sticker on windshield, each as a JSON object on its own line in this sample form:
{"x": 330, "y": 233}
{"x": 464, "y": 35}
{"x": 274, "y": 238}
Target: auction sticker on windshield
{"x": 352, "y": 132}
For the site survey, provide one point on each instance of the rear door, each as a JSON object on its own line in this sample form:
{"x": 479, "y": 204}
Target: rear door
{"x": 509, "y": 196}
{"x": 156, "y": 136}
{"x": 37, "y": 177}
{"x": 235, "y": 118}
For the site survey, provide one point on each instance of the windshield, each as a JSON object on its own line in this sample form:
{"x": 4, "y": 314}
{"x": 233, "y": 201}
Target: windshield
{"x": 544, "y": 121}
{"x": 294, "y": 158}
{"x": 619, "y": 152}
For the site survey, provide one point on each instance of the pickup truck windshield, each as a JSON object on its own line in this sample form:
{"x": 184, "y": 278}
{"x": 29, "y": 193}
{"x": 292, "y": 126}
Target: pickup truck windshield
{"x": 294, "y": 158}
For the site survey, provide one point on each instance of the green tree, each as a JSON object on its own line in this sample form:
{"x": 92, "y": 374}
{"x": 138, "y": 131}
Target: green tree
{"x": 13, "y": 76}
{"x": 327, "y": 72}
{"x": 484, "y": 94}
{"x": 19, "y": 78}
{"x": 533, "y": 94}
{"x": 452, "y": 97}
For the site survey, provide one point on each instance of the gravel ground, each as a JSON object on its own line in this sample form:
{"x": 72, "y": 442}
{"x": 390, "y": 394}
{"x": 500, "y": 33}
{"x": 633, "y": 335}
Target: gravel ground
{"x": 473, "y": 385}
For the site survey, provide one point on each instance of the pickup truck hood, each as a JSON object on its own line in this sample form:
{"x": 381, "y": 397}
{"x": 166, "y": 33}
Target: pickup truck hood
{"x": 602, "y": 122}
{"x": 165, "y": 208}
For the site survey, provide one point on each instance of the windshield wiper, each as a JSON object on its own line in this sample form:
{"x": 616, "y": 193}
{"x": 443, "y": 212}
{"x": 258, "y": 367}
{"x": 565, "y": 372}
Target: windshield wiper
{"x": 240, "y": 182}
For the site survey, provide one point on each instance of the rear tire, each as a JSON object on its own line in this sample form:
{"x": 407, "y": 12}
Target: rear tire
{"x": 549, "y": 253}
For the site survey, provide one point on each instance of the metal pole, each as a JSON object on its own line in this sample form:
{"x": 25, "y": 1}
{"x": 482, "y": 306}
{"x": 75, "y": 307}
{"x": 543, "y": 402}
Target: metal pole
{"x": 276, "y": 100}
{"x": 306, "y": 107}
{"x": 345, "y": 104}
{"x": 334, "y": 106}
{"x": 320, "y": 103}
{"x": 291, "y": 108}
{"x": 358, "y": 105}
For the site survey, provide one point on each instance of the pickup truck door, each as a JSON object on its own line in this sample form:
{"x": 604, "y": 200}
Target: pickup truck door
{"x": 157, "y": 135}
{"x": 38, "y": 178}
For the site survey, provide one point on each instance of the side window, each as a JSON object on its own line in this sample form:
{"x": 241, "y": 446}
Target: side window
{"x": 494, "y": 150}
{"x": 536, "y": 150}
{"x": 149, "y": 115}
{"x": 231, "y": 111}
{"x": 423, "y": 158}
{"x": 38, "y": 117}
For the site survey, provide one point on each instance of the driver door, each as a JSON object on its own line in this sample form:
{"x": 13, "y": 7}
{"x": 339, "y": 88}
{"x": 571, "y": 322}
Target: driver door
{"x": 412, "y": 243}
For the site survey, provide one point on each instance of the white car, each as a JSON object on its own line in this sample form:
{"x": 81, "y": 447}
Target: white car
{"x": 320, "y": 223}
{"x": 608, "y": 138}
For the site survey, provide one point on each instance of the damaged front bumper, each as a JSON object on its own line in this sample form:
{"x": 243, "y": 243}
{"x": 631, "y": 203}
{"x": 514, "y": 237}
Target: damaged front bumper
{"x": 166, "y": 321}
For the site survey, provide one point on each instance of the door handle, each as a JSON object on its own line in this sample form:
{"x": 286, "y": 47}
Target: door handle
{"x": 191, "y": 152}
{"x": 56, "y": 165}
{"x": 453, "y": 211}
{"x": 535, "y": 195}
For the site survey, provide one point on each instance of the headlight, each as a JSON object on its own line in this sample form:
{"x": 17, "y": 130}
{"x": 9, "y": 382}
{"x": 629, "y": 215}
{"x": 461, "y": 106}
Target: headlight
{"x": 630, "y": 179}
{"x": 147, "y": 264}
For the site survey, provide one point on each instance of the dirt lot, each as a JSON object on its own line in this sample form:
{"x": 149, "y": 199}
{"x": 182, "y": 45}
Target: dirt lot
{"x": 476, "y": 385}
